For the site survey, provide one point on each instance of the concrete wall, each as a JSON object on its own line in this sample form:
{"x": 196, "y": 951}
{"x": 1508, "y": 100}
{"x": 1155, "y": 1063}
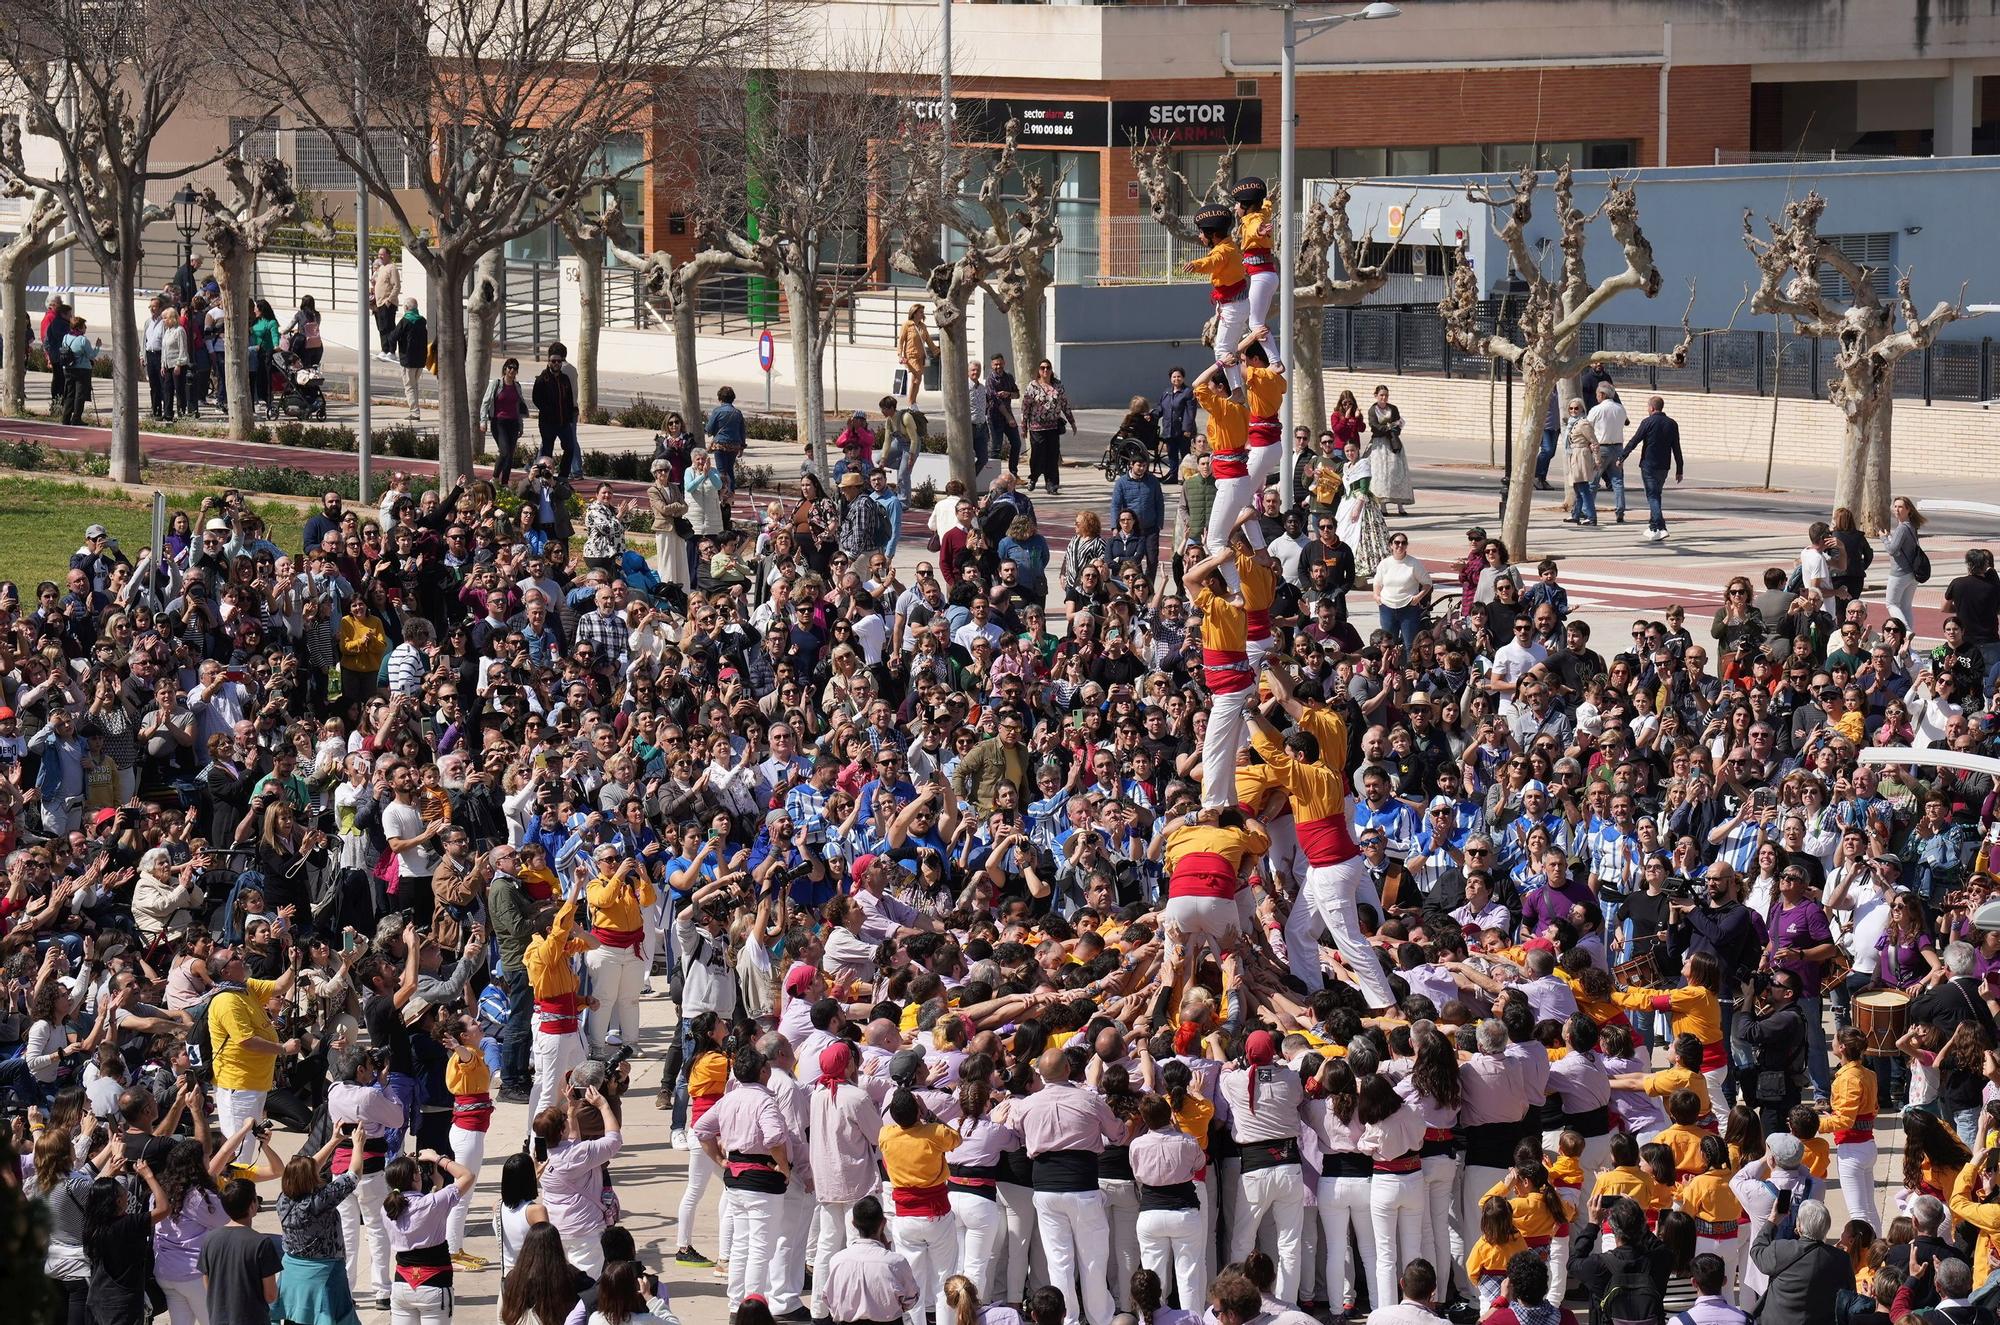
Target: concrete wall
{"x": 1935, "y": 439}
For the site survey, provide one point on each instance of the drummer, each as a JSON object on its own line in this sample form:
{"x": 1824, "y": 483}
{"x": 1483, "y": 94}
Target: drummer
{"x": 1693, "y": 1009}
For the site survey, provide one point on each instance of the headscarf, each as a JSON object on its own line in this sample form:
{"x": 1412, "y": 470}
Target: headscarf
{"x": 1258, "y": 1051}
{"x": 834, "y": 1063}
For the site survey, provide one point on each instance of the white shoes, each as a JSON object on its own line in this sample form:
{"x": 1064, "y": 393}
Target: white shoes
{"x": 1656, "y": 535}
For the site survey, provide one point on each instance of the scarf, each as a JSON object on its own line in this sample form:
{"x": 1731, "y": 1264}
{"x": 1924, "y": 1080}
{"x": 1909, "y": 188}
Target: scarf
{"x": 834, "y": 1063}
{"x": 1258, "y": 1051}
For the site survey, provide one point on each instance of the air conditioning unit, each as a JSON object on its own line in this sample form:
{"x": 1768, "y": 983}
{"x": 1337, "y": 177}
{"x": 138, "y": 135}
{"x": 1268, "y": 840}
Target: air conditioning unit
{"x": 1246, "y": 87}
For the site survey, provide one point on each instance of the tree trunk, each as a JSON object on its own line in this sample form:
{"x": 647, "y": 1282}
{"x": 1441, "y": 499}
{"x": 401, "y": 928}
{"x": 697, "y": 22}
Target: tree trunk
{"x": 809, "y": 392}
{"x": 1865, "y": 471}
{"x": 590, "y": 322}
{"x": 687, "y": 364}
{"x": 1308, "y": 381}
{"x": 15, "y": 333}
{"x": 448, "y": 329}
{"x": 951, "y": 331}
{"x": 1532, "y": 406}
{"x": 235, "y": 273}
{"x": 1027, "y": 320}
{"x": 482, "y": 317}
{"x": 126, "y": 367}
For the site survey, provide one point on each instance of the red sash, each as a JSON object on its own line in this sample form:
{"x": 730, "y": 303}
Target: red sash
{"x": 1326, "y": 841}
{"x": 1228, "y": 294}
{"x": 922, "y": 1202}
{"x": 472, "y": 1113}
{"x": 1228, "y": 464}
{"x": 1203, "y": 874}
{"x": 1259, "y": 259}
{"x": 1863, "y": 1130}
{"x": 1257, "y": 622}
{"x": 1225, "y": 671}
{"x": 1264, "y": 432}
{"x": 619, "y": 938}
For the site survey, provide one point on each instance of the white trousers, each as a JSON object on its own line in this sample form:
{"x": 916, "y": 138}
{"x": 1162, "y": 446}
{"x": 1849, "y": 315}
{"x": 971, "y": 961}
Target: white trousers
{"x": 1856, "y": 1161}
{"x": 1231, "y": 321}
{"x": 552, "y": 1058}
{"x": 1263, "y": 464}
{"x": 429, "y": 1305}
{"x": 1263, "y": 293}
{"x": 1278, "y": 1193}
{"x": 1900, "y": 596}
{"x": 1330, "y": 897}
{"x": 469, "y": 1149}
{"x": 795, "y": 1228}
{"x": 617, "y": 976}
{"x": 930, "y": 1244}
{"x": 1231, "y": 496}
{"x": 233, "y": 1108}
{"x": 1121, "y": 1207}
{"x": 832, "y": 1231}
{"x": 755, "y": 1237}
{"x": 1444, "y": 1240}
{"x": 1396, "y": 1209}
{"x": 1474, "y": 1182}
{"x": 1076, "y": 1237}
{"x": 363, "y": 1210}
{"x": 1343, "y": 1207}
{"x": 1171, "y": 1246}
{"x": 1021, "y": 1253}
{"x": 187, "y": 1301}
{"x": 982, "y": 1234}
{"x": 700, "y": 1172}
{"x": 1219, "y": 744}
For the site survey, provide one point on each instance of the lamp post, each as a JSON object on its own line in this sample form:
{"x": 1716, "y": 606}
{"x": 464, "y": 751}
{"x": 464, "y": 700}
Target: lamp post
{"x": 1296, "y": 31}
{"x": 187, "y": 219}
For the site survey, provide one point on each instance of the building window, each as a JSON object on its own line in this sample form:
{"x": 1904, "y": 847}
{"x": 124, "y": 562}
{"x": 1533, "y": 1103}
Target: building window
{"x": 256, "y": 141}
{"x": 1875, "y": 252}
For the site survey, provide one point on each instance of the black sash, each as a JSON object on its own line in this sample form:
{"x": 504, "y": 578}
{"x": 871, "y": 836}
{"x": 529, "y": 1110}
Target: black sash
{"x": 1066, "y": 1171}
{"x": 1347, "y": 1164}
{"x": 1591, "y": 1122}
{"x": 1491, "y": 1145}
{"x": 1269, "y": 1154}
{"x": 1172, "y": 1196}
{"x": 1115, "y": 1163}
{"x": 746, "y": 1172}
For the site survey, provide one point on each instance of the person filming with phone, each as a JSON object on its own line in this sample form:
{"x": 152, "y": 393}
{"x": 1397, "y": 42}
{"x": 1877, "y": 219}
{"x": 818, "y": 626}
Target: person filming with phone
{"x": 1771, "y": 1046}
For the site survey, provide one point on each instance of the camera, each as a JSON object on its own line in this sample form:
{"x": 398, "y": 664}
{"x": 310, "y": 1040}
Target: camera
{"x": 1678, "y": 886}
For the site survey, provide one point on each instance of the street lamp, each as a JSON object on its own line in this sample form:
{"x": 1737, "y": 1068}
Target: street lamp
{"x": 1296, "y": 31}
{"x": 187, "y": 218}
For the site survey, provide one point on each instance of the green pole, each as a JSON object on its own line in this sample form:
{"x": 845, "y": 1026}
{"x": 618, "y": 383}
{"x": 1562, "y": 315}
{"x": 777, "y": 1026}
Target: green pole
{"x": 762, "y": 301}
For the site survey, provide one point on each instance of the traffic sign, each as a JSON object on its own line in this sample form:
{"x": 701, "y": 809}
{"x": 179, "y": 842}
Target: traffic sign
{"x": 767, "y": 352}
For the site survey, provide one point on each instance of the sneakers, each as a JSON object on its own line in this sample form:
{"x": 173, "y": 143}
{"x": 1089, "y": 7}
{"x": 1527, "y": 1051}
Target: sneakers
{"x": 689, "y": 1256}
{"x": 679, "y": 1140}
{"x": 465, "y": 1260}
{"x": 512, "y": 1095}
{"x": 381, "y": 1301}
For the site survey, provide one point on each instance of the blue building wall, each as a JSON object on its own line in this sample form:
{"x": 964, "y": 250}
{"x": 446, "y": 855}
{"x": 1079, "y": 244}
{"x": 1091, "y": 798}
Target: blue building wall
{"x": 1112, "y": 342}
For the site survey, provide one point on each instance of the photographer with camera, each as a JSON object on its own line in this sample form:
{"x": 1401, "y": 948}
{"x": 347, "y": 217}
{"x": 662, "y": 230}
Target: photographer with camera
{"x": 573, "y": 1188}
{"x": 1772, "y": 1048}
{"x": 1731, "y": 933}
{"x": 359, "y": 1106}
{"x": 419, "y": 1209}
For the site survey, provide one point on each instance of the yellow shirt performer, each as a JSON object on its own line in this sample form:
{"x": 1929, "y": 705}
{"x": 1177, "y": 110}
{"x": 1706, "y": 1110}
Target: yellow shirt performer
{"x": 618, "y": 897}
{"x": 1228, "y": 284}
{"x": 1850, "y": 1121}
{"x": 1264, "y": 396}
{"x": 558, "y": 1044}
{"x": 1225, "y": 668}
{"x": 1229, "y": 463}
{"x": 1254, "y": 221}
{"x": 244, "y": 1046}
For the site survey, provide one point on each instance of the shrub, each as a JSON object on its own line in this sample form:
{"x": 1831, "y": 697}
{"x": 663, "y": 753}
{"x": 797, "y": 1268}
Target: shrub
{"x": 642, "y": 413}
{"x": 626, "y": 466}
{"x": 771, "y": 428}
{"x": 932, "y": 444}
{"x": 314, "y": 437}
{"x": 749, "y": 477}
{"x": 924, "y": 496}
{"x": 290, "y": 481}
{"x": 598, "y": 416}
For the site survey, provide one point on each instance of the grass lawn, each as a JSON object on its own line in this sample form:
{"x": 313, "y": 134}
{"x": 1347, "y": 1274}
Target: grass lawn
{"x": 42, "y": 523}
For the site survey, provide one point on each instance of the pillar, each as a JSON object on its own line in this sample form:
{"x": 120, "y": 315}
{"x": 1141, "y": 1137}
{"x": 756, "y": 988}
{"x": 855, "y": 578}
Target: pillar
{"x": 1955, "y": 102}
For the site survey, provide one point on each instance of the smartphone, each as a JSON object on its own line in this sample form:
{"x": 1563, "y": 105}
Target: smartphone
{"x": 1785, "y": 1201}
{"x": 347, "y": 938}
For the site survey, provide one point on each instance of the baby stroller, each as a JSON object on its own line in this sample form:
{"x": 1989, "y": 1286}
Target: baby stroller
{"x": 295, "y": 388}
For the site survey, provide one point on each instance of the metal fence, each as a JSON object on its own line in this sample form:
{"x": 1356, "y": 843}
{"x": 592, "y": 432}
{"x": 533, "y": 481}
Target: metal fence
{"x": 1411, "y": 343}
{"x": 733, "y": 304}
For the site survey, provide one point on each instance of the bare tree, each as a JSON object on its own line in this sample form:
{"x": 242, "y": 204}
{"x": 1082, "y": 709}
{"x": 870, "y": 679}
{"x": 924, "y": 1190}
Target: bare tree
{"x": 473, "y": 123}
{"x": 584, "y": 229}
{"x": 786, "y": 175}
{"x": 1559, "y": 305}
{"x": 1326, "y": 237}
{"x": 1170, "y": 198}
{"x": 671, "y": 287}
{"x": 33, "y": 244}
{"x": 99, "y": 79}
{"x": 928, "y": 206}
{"x": 483, "y": 304}
{"x": 1018, "y": 237}
{"x": 261, "y": 198}
{"x": 1790, "y": 285}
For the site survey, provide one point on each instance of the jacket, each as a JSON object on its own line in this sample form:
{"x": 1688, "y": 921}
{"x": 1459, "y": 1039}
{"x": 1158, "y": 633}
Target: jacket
{"x": 486, "y": 405}
{"x": 864, "y": 526}
{"x": 914, "y": 346}
{"x": 1141, "y": 496}
{"x": 1177, "y": 413}
{"x": 984, "y": 768}
{"x": 1602, "y": 1274}
{"x": 1805, "y": 1278}
{"x": 1581, "y": 462}
{"x": 1658, "y": 441}
{"x": 411, "y": 339}
{"x": 385, "y": 287}
{"x": 555, "y": 399}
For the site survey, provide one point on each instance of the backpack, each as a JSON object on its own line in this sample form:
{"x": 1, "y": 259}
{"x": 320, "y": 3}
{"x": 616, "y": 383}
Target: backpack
{"x": 65, "y": 357}
{"x": 1920, "y": 566}
{"x": 1630, "y": 1297}
{"x": 910, "y": 416}
{"x": 200, "y": 1044}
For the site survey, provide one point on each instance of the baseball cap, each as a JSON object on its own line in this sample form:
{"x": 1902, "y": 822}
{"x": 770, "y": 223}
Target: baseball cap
{"x": 1442, "y": 803}
{"x": 104, "y": 816}
{"x": 5, "y": 713}
{"x": 1535, "y": 784}
{"x": 1786, "y": 1151}
{"x": 96, "y": 531}
{"x": 799, "y": 977}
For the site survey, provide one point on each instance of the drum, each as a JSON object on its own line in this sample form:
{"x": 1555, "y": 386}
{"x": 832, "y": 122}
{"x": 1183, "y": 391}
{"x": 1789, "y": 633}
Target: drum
{"x": 1882, "y": 1015}
{"x": 1834, "y": 974}
{"x": 1636, "y": 973}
